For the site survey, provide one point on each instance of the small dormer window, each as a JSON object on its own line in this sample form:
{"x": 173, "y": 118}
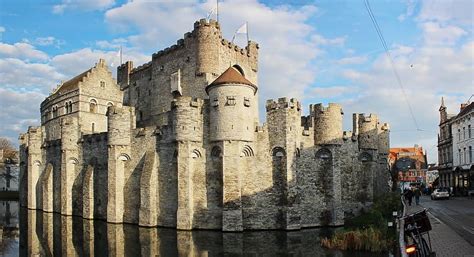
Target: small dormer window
{"x": 215, "y": 102}
{"x": 246, "y": 101}
{"x": 102, "y": 84}
{"x": 93, "y": 106}
{"x": 230, "y": 100}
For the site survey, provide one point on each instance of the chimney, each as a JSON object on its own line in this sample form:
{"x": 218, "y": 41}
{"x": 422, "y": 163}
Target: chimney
{"x": 463, "y": 106}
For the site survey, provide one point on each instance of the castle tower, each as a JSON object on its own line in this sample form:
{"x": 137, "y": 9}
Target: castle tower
{"x": 35, "y": 164}
{"x": 187, "y": 126}
{"x": 232, "y": 126}
{"x": 368, "y": 131}
{"x": 284, "y": 126}
{"x": 327, "y": 124}
{"x": 123, "y": 80}
{"x": 121, "y": 120}
{"x": 70, "y": 155}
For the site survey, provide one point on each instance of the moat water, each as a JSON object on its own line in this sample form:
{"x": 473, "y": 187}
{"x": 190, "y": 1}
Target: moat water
{"x": 36, "y": 233}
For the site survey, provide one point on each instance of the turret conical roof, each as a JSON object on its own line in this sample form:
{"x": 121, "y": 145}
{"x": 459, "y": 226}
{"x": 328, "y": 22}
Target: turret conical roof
{"x": 231, "y": 76}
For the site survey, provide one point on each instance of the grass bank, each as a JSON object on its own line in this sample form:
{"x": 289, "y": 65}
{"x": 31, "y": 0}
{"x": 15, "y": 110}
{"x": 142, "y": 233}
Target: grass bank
{"x": 368, "y": 231}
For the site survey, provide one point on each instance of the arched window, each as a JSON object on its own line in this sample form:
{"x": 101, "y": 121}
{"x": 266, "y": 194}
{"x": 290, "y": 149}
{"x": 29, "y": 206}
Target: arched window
{"x": 110, "y": 104}
{"x": 324, "y": 154}
{"x": 247, "y": 151}
{"x": 195, "y": 154}
{"x": 278, "y": 152}
{"x": 241, "y": 71}
{"x": 216, "y": 152}
{"x": 66, "y": 107}
{"x": 365, "y": 157}
{"x": 93, "y": 127}
{"x": 93, "y": 106}
{"x": 55, "y": 111}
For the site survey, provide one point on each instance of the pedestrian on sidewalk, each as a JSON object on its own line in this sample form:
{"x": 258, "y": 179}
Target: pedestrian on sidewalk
{"x": 417, "y": 195}
{"x": 409, "y": 196}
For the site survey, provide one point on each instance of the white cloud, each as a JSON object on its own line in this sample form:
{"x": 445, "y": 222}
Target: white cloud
{"x": 2, "y": 29}
{"x": 411, "y": 4}
{"x": 352, "y": 60}
{"x": 86, "y": 5}
{"x": 18, "y": 74}
{"x": 73, "y": 63}
{"x": 47, "y": 41}
{"x": 19, "y": 110}
{"x": 437, "y": 34}
{"x": 427, "y": 73}
{"x": 21, "y": 50}
{"x": 330, "y": 92}
{"x": 320, "y": 40}
{"x": 457, "y": 11}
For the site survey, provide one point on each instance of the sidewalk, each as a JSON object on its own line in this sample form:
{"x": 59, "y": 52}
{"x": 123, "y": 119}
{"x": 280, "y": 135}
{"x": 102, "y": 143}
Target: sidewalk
{"x": 445, "y": 241}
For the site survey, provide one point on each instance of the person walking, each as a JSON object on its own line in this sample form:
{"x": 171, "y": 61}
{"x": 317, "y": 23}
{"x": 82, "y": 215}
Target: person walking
{"x": 417, "y": 195}
{"x": 409, "y": 196}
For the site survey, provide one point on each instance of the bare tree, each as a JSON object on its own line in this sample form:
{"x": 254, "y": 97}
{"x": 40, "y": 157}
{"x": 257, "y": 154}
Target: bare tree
{"x": 5, "y": 144}
{"x": 9, "y": 150}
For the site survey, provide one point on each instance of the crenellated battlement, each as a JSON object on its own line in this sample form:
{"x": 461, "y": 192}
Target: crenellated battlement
{"x": 385, "y": 127}
{"x": 367, "y": 117}
{"x": 283, "y": 103}
{"x": 320, "y": 108}
{"x": 141, "y": 67}
{"x": 185, "y": 101}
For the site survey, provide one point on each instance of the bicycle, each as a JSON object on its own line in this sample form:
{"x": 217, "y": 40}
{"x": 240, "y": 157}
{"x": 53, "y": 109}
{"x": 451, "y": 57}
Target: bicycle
{"x": 416, "y": 225}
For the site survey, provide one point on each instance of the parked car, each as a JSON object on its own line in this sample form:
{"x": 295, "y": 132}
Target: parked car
{"x": 440, "y": 193}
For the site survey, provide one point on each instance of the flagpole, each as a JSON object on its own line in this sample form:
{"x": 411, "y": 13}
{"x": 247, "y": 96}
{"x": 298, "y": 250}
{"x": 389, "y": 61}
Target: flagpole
{"x": 120, "y": 55}
{"x": 247, "y": 24}
{"x": 217, "y": 11}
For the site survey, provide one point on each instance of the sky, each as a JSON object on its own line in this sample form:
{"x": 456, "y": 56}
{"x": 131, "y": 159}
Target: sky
{"x": 316, "y": 51}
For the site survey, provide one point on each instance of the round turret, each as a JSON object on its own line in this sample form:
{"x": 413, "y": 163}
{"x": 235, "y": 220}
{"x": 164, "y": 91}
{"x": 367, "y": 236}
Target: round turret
{"x": 187, "y": 119}
{"x": 233, "y": 108}
{"x": 368, "y": 133}
{"x": 327, "y": 123}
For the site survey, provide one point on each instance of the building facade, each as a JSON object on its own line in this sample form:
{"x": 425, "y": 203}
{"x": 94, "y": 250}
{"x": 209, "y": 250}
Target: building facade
{"x": 177, "y": 142}
{"x": 455, "y": 149}
{"x": 410, "y": 165}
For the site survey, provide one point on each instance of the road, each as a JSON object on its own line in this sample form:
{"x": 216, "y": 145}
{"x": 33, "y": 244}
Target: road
{"x": 457, "y": 213}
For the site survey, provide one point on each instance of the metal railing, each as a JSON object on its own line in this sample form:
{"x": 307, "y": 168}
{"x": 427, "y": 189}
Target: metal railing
{"x": 401, "y": 227}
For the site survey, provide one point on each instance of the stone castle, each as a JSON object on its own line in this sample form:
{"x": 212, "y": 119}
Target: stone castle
{"x": 177, "y": 142}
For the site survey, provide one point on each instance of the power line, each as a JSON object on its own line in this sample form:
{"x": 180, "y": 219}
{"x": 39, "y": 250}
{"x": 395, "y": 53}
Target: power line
{"x": 387, "y": 52}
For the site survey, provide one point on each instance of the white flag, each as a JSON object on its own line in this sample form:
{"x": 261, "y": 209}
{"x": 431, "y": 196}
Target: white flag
{"x": 241, "y": 30}
{"x": 210, "y": 13}
{"x": 118, "y": 55}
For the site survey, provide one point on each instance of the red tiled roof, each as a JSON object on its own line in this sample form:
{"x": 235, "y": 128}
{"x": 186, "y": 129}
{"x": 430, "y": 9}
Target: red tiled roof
{"x": 231, "y": 76}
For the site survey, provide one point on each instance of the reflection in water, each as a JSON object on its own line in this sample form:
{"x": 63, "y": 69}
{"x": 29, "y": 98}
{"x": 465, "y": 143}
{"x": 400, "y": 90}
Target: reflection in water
{"x": 47, "y": 234}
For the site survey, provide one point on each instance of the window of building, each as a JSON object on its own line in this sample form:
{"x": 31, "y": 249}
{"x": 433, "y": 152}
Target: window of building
{"x": 93, "y": 127}
{"x": 246, "y": 101}
{"x": 230, "y": 100}
{"x": 469, "y": 130}
{"x": 102, "y": 84}
{"x": 470, "y": 154}
{"x": 464, "y": 132}
{"x": 465, "y": 155}
{"x": 110, "y": 104}
{"x": 459, "y": 134}
{"x": 459, "y": 156}
{"x": 55, "y": 111}
{"x": 93, "y": 106}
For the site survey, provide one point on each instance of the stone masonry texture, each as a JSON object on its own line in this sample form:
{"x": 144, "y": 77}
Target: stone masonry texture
{"x": 155, "y": 148}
